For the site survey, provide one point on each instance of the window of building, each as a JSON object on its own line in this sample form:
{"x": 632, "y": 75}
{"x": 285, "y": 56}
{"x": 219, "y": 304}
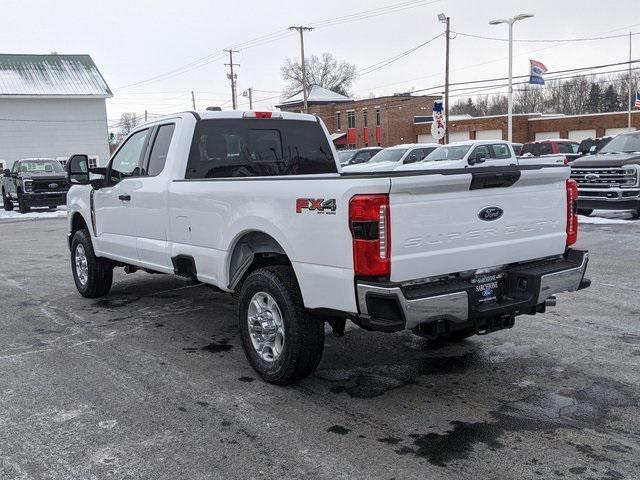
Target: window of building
{"x": 365, "y": 120}
{"x": 92, "y": 161}
{"x": 351, "y": 119}
{"x": 160, "y": 149}
{"x": 378, "y": 117}
{"x": 257, "y": 148}
{"x": 338, "y": 121}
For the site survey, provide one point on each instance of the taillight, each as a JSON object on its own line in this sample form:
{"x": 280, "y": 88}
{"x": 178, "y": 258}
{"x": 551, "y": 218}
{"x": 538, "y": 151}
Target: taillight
{"x": 254, "y": 114}
{"x": 369, "y": 221}
{"x": 572, "y": 212}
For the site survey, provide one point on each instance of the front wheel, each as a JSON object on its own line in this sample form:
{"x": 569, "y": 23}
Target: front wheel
{"x": 281, "y": 340}
{"x": 23, "y": 206}
{"x": 7, "y": 203}
{"x": 93, "y": 276}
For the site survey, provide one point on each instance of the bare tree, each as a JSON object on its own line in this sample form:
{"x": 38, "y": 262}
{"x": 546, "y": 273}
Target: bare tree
{"x": 128, "y": 122}
{"x": 324, "y": 71}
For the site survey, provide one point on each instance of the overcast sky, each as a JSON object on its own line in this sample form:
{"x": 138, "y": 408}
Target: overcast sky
{"x": 136, "y": 40}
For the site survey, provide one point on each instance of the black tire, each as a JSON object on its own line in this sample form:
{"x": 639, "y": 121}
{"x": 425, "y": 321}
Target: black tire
{"x": 303, "y": 342}
{"x": 7, "y": 203}
{"x": 100, "y": 271}
{"x": 585, "y": 211}
{"x": 23, "y": 206}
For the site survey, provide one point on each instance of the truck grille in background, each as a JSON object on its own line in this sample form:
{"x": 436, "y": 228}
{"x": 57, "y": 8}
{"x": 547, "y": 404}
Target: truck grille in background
{"x": 604, "y": 177}
{"x": 44, "y": 186}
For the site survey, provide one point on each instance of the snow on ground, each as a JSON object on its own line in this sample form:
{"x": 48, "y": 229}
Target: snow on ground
{"x": 34, "y": 214}
{"x": 608, "y": 217}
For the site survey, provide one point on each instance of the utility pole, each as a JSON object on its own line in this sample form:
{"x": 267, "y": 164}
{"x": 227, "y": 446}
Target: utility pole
{"x": 193, "y": 100}
{"x": 301, "y": 30}
{"x": 145, "y": 116}
{"x": 249, "y": 93}
{"x": 447, "y": 21}
{"x": 231, "y": 76}
{"x": 630, "y": 101}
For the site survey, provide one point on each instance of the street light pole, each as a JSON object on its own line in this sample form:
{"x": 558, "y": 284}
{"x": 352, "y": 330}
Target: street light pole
{"x": 510, "y": 22}
{"x": 447, "y": 21}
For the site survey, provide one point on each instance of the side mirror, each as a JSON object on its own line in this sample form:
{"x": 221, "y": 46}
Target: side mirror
{"x": 413, "y": 158}
{"x": 477, "y": 158}
{"x": 593, "y": 149}
{"x": 78, "y": 170}
{"x": 6, "y": 172}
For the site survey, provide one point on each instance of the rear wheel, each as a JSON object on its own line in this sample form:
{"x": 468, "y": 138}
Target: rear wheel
{"x": 92, "y": 275}
{"x": 281, "y": 340}
{"x": 585, "y": 211}
{"x": 23, "y": 206}
{"x": 7, "y": 203}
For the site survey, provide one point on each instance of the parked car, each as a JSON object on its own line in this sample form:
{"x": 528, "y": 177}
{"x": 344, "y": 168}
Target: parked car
{"x": 345, "y": 155}
{"x": 34, "y": 182}
{"x": 517, "y": 148}
{"x": 610, "y": 179}
{"x": 590, "y": 146}
{"x": 541, "y": 148}
{"x": 468, "y": 153}
{"x": 361, "y": 155}
{"x": 254, "y": 203}
{"x": 393, "y": 157}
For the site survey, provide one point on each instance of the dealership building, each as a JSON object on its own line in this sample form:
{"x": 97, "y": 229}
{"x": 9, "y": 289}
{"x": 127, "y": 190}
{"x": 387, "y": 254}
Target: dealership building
{"x": 52, "y": 106}
{"x": 406, "y": 118}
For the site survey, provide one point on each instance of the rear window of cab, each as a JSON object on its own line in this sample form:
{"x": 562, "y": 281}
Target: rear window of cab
{"x": 229, "y": 148}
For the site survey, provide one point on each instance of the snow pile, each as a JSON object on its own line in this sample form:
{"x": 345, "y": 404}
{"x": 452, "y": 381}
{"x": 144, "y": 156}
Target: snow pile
{"x": 608, "y": 217}
{"x": 34, "y": 214}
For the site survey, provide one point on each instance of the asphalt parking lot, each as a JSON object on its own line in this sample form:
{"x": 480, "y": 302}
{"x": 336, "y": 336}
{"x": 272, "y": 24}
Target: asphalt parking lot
{"x": 151, "y": 383}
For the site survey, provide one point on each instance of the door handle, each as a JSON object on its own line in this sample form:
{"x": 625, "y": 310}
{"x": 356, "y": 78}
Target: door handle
{"x": 124, "y": 198}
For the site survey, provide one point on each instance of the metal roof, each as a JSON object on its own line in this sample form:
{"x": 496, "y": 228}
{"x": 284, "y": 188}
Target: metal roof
{"x": 317, "y": 94}
{"x": 51, "y": 75}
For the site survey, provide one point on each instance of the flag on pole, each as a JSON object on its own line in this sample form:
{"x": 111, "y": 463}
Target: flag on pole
{"x": 637, "y": 104}
{"x": 536, "y": 72}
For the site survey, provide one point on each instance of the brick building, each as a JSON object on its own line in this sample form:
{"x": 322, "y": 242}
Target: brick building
{"x": 383, "y": 121}
{"x": 406, "y": 118}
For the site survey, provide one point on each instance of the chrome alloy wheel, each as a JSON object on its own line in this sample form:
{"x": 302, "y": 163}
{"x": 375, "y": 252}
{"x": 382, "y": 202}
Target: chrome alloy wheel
{"x": 266, "y": 326}
{"x": 82, "y": 266}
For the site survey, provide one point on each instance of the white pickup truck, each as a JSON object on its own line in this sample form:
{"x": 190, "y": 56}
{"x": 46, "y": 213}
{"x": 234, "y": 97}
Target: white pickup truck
{"x": 255, "y": 203}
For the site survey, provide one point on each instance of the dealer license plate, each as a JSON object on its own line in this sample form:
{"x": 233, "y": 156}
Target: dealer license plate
{"x": 488, "y": 287}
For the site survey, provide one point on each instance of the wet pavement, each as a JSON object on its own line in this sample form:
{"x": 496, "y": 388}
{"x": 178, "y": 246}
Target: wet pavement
{"x": 151, "y": 382}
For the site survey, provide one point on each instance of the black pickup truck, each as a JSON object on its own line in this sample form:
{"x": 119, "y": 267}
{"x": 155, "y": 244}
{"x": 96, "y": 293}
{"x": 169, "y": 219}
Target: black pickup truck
{"x": 34, "y": 182}
{"x": 610, "y": 179}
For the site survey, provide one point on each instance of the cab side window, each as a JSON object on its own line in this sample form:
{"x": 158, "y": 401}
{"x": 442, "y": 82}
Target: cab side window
{"x": 159, "y": 150}
{"x": 500, "y": 151}
{"x": 481, "y": 150}
{"x": 128, "y": 160}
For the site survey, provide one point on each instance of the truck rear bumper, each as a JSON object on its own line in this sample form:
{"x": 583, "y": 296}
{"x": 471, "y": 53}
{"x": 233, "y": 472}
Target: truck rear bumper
{"x": 393, "y": 307}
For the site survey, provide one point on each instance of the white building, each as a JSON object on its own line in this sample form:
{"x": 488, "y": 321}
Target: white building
{"x": 52, "y": 106}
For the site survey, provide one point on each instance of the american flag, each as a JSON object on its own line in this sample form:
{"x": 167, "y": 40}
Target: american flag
{"x": 637, "y": 104}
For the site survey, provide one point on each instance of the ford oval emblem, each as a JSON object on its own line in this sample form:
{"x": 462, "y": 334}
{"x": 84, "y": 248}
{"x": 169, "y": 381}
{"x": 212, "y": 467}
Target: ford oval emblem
{"x": 490, "y": 213}
{"x": 53, "y": 185}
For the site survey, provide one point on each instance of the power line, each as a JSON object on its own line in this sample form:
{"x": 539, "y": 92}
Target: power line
{"x": 543, "y": 40}
{"x": 395, "y": 58}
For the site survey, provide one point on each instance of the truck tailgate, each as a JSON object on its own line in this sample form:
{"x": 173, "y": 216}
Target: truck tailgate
{"x": 437, "y": 229}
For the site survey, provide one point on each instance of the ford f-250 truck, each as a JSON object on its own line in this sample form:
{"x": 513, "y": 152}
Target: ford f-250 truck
{"x": 610, "y": 179}
{"x": 34, "y": 182}
{"x": 255, "y": 203}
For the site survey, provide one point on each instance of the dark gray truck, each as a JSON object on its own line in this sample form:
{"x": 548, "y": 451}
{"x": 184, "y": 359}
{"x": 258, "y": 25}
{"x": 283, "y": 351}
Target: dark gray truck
{"x": 610, "y": 179}
{"x": 34, "y": 182}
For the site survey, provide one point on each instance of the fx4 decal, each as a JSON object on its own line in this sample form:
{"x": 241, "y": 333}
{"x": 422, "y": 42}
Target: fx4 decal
{"x": 318, "y": 205}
